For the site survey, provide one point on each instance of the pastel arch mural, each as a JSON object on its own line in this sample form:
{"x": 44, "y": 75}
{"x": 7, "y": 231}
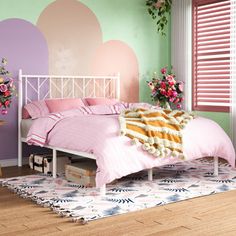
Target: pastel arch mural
{"x": 73, "y": 35}
{"x": 75, "y": 46}
{"x": 116, "y": 56}
{"x": 25, "y": 48}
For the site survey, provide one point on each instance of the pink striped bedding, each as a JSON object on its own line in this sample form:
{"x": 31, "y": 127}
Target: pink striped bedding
{"x": 86, "y": 130}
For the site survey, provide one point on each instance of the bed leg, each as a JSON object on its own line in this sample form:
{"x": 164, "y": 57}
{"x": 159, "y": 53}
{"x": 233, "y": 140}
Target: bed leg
{"x": 54, "y": 163}
{"x": 103, "y": 190}
{"x": 216, "y": 166}
{"x": 150, "y": 175}
{"x": 19, "y": 153}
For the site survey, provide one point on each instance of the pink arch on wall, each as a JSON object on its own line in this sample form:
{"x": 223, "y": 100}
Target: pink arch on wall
{"x": 116, "y": 56}
{"x": 73, "y": 34}
{"x": 75, "y": 46}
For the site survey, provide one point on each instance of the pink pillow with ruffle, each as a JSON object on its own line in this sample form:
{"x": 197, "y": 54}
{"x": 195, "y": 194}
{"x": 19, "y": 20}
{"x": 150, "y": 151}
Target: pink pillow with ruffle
{"x": 101, "y": 101}
{"x": 63, "y": 104}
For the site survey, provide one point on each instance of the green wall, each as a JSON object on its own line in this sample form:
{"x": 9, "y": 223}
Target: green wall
{"x": 222, "y": 118}
{"x": 24, "y": 9}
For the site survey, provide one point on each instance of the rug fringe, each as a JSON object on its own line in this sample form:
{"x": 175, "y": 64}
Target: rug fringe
{"x": 80, "y": 220}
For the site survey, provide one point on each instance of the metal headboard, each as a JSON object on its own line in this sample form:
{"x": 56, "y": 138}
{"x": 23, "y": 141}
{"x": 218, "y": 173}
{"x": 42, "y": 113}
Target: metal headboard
{"x": 40, "y": 87}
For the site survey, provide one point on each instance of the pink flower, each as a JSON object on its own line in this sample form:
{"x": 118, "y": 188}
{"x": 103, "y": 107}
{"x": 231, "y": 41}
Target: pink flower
{"x": 169, "y": 93}
{"x": 170, "y": 77}
{"x": 181, "y": 86}
{"x": 163, "y": 85}
{"x": 163, "y": 92}
{"x": 4, "y": 112}
{"x": 178, "y": 105}
{"x": 172, "y": 99}
{"x": 7, "y": 93}
{"x": 163, "y": 70}
{"x": 3, "y": 88}
{"x": 181, "y": 99}
{"x": 176, "y": 100}
{"x": 7, "y": 103}
{"x": 174, "y": 94}
{"x": 159, "y": 3}
{"x": 171, "y": 80}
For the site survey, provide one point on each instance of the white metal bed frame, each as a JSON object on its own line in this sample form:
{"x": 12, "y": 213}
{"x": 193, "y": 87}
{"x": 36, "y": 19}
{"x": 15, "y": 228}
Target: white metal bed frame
{"x": 86, "y": 81}
{"x": 92, "y": 82}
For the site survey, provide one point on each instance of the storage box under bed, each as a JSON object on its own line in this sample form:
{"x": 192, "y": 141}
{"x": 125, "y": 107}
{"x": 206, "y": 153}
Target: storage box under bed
{"x": 43, "y": 163}
{"x": 82, "y": 172}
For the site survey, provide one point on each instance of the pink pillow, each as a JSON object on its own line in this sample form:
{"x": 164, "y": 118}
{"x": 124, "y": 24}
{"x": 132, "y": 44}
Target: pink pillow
{"x": 35, "y": 110}
{"x": 101, "y": 101}
{"x": 107, "y": 109}
{"x": 64, "y": 104}
{"x": 25, "y": 114}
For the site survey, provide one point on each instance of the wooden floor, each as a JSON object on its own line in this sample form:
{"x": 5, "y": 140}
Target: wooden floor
{"x": 211, "y": 215}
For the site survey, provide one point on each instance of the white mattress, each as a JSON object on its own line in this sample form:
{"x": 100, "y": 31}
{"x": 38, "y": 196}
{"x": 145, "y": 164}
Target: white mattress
{"x": 25, "y": 127}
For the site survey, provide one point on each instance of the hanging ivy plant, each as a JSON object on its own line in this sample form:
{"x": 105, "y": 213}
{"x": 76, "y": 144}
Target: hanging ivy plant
{"x": 158, "y": 9}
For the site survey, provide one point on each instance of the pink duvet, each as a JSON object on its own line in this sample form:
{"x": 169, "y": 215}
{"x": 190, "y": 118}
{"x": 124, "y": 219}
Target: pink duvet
{"x": 115, "y": 156}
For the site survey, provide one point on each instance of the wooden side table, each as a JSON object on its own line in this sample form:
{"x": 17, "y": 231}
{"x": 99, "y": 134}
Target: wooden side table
{"x": 2, "y": 122}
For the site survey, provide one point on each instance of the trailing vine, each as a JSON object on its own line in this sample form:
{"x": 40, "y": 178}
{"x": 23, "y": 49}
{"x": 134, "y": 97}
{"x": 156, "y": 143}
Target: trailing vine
{"x": 158, "y": 9}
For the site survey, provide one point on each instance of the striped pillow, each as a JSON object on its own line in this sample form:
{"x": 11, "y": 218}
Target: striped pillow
{"x": 103, "y": 109}
{"x": 100, "y": 101}
{"x": 35, "y": 110}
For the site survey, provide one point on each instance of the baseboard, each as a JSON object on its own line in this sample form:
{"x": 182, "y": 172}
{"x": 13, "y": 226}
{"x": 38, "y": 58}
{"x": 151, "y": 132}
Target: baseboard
{"x": 13, "y": 162}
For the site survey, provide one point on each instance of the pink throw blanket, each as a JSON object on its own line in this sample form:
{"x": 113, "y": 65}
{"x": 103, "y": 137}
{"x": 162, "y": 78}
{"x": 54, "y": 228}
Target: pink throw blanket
{"x": 86, "y": 131}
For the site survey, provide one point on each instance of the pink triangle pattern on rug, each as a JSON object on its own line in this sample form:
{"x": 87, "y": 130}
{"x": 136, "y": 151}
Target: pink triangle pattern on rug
{"x": 171, "y": 183}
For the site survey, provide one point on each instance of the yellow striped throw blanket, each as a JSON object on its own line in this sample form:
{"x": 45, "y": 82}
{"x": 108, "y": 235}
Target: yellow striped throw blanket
{"x": 159, "y": 131}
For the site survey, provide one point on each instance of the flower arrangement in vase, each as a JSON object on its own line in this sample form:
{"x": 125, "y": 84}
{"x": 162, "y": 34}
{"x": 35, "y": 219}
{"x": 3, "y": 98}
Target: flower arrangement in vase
{"x": 7, "y": 88}
{"x": 167, "y": 91}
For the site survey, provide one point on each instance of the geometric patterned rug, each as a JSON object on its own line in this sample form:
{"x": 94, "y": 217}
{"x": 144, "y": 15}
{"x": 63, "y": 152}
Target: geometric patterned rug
{"x": 171, "y": 183}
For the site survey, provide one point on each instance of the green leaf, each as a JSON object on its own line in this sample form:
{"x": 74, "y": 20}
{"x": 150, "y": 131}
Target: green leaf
{"x": 159, "y": 13}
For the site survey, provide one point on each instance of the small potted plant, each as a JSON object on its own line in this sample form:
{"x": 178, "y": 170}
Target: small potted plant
{"x": 166, "y": 91}
{"x": 7, "y": 88}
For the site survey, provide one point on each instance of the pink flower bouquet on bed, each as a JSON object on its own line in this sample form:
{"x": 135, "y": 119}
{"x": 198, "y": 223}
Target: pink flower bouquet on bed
{"x": 167, "y": 90}
{"x": 6, "y": 88}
